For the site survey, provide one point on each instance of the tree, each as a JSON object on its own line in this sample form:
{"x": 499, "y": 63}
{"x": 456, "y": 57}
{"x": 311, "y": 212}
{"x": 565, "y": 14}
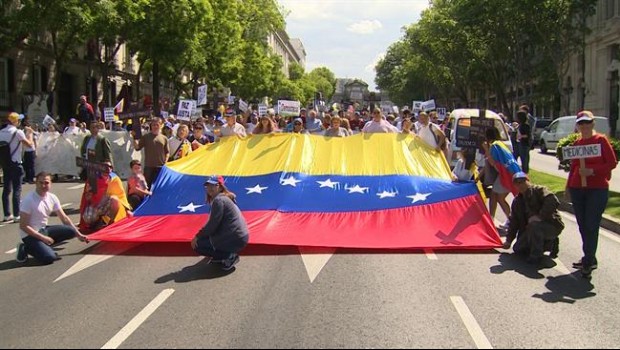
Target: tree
{"x": 67, "y": 23}
{"x": 324, "y": 81}
{"x": 164, "y": 31}
{"x": 295, "y": 71}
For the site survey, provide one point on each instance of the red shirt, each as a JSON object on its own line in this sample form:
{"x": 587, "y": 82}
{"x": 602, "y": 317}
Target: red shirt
{"x": 602, "y": 165}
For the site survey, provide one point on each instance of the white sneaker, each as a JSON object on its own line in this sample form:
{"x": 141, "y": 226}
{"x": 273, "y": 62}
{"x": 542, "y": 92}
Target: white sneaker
{"x": 8, "y": 218}
{"x": 16, "y": 220}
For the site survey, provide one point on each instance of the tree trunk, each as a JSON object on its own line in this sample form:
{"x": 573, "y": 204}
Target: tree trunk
{"x": 156, "y": 110}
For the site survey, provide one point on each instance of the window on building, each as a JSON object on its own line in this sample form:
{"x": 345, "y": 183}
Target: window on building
{"x": 36, "y": 79}
{"x": 614, "y": 52}
{"x": 610, "y": 9}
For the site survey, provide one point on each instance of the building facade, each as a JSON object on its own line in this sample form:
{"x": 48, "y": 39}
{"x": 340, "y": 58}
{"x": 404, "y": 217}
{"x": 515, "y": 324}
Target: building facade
{"x": 593, "y": 79}
{"x": 290, "y": 50}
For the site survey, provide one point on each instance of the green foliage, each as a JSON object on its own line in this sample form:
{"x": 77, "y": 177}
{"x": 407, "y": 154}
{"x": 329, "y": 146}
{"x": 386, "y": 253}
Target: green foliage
{"x": 463, "y": 46}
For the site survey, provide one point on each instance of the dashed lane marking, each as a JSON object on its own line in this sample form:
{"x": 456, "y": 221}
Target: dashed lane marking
{"x": 135, "y": 323}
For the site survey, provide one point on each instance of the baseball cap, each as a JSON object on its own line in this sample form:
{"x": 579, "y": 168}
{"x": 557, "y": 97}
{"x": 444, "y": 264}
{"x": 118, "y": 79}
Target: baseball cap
{"x": 298, "y": 120}
{"x": 72, "y": 120}
{"x": 13, "y": 117}
{"x": 214, "y": 180}
{"x": 229, "y": 113}
{"x": 586, "y": 116}
{"x": 520, "y": 176}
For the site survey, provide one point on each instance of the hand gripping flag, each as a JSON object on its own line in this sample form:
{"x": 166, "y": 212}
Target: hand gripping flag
{"x": 363, "y": 191}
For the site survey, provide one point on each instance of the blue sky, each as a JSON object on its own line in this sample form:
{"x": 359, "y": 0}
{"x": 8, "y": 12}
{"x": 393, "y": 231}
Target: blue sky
{"x": 349, "y": 36}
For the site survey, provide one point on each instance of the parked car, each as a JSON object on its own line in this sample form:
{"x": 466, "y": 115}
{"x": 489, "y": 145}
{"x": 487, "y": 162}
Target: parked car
{"x": 540, "y": 126}
{"x": 459, "y": 126}
{"x": 564, "y": 126}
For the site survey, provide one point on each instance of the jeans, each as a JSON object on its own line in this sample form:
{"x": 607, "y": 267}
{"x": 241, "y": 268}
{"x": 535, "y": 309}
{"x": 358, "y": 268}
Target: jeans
{"x": 41, "y": 251}
{"x": 29, "y": 158}
{"x": 12, "y": 183}
{"x": 589, "y": 205}
{"x": 524, "y": 153}
{"x": 205, "y": 248}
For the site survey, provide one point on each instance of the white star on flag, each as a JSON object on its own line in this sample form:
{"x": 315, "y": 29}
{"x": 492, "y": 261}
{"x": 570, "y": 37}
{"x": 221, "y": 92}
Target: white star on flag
{"x": 386, "y": 194}
{"x": 190, "y": 207}
{"x": 256, "y": 189}
{"x": 328, "y": 183}
{"x": 418, "y": 197}
{"x": 357, "y": 189}
{"x": 290, "y": 181}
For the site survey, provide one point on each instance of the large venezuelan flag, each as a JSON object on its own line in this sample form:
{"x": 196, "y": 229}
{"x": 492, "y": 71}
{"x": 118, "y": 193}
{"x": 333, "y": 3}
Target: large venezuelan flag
{"x": 363, "y": 191}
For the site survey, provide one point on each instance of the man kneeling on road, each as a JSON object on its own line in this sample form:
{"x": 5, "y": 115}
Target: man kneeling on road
{"x": 37, "y": 238}
{"x": 534, "y": 221}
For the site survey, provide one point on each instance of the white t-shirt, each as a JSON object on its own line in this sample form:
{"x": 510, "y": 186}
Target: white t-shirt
{"x": 236, "y": 129}
{"x": 382, "y": 126}
{"x": 39, "y": 208}
{"x": 72, "y": 130}
{"x": 426, "y": 132}
{"x": 16, "y": 145}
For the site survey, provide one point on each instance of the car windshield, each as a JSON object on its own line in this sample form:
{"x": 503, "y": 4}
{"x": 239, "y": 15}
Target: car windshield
{"x": 543, "y": 123}
{"x": 464, "y": 123}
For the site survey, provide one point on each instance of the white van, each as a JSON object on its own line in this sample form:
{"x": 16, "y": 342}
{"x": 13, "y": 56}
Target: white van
{"x": 564, "y": 126}
{"x": 459, "y": 126}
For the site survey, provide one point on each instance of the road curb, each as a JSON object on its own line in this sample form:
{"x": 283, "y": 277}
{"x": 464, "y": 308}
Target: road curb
{"x": 608, "y": 222}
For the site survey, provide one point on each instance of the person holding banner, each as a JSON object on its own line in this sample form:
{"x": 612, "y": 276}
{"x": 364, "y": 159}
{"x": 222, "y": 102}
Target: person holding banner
{"x": 378, "y": 124}
{"x": 588, "y": 186}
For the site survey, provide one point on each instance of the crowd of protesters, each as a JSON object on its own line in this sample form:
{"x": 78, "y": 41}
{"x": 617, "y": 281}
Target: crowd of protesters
{"x": 530, "y": 218}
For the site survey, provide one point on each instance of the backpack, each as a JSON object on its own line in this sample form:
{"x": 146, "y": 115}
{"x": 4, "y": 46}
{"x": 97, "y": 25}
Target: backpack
{"x": 5, "y": 152}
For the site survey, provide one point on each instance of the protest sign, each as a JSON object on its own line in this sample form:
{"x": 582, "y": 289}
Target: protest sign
{"x": 108, "y": 114}
{"x": 202, "y": 95}
{"x": 581, "y": 153}
{"x": 289, "y": 108}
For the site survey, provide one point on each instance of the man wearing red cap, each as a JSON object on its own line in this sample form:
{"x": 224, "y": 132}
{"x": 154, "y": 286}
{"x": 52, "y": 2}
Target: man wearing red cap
{"x": 534, "y": 220}
{"x": 226, "y": 233}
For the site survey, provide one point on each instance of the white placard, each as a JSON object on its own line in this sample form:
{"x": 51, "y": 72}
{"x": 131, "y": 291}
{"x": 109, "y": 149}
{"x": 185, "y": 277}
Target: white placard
{"x": 289, "y": 108}
{"x": 417, "y": 106}
{"x": 243, "y": 106}
{"x": 262, "y": 109}
{"x": 428, "y": 105}
{"x": 47, "y": 121}
{"x": 441, "y": 113}
{"x": 186, "y": 109}
{"x": 581, "y": 152}
{"x": 231, "y": 99}
{"x": 164, "y": 114}
{"x": 108, "y": 114}
{"x": 202, "y": 95}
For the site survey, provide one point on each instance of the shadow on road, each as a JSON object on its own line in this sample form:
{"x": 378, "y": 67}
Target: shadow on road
{"x": 202, "y": 270}
{"x": 516, "y": 263}
{"x": 567, "y": 289}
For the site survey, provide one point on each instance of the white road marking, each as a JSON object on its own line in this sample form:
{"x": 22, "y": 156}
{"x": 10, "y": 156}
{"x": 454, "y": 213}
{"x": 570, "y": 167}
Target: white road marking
{"x": 561, "y": 268}
{"x": 102, "y": 252}
{"x": 12, "y": 251}
{"x": 76, "y": 187}
{"x": 315, "y": 259}
{"x": 430, "y": 254}
{"x": 471, "y": 324}
{"x": 66, "y": 205}
{"x": 131, "y": 327}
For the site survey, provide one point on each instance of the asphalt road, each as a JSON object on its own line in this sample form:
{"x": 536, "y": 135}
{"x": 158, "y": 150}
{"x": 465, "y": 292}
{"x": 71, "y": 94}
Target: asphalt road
{"x": 163, "y": 296}
{"x": 548, "y": 163}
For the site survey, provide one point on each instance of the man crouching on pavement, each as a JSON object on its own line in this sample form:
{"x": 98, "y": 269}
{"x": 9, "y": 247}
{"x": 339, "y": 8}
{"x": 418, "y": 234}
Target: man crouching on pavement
{"x": 534, "y": 221}
{"x": 37, "y": 238}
